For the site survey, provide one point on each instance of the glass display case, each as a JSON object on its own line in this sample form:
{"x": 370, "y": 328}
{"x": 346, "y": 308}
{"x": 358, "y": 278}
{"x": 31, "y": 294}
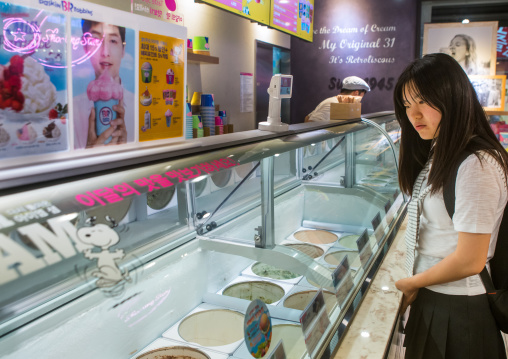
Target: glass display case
{"x": 170, "y": 253}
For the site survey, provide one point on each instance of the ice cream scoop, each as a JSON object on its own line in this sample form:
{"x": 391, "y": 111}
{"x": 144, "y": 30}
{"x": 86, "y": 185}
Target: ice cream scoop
{"x": 105, "y": 88}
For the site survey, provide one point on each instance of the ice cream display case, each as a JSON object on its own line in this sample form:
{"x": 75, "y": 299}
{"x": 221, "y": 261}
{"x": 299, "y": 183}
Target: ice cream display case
{"x": 164, "y": 258}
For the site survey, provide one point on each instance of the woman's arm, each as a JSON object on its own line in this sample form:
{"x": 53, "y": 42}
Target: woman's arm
{"x": 468, "y": 259}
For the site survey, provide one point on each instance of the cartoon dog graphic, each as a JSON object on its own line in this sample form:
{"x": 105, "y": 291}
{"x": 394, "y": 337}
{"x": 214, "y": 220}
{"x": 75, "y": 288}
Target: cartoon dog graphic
{"x": 103, "y": 236}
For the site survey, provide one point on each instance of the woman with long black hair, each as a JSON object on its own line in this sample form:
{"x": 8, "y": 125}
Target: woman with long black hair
{"x": 441, "y": 118}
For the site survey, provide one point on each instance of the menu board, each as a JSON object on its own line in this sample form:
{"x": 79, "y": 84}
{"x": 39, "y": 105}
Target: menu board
{"x": 296, "y": 17}
{"x": 256, "y": 10}
{"x": 161, "y": 89}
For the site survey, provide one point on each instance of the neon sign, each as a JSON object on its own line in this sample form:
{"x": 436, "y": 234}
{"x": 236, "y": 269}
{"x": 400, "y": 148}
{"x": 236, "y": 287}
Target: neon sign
{"x": 37, "y": 40}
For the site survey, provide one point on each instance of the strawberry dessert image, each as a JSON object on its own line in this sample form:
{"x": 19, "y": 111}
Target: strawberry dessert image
{"x": 27, "y": 133}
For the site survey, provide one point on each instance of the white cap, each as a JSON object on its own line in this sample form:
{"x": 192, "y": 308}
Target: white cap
{"x": 354, "y": 83}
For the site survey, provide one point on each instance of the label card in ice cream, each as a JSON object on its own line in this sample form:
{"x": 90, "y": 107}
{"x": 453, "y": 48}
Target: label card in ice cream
{"x": 364, "y": 248}
{"x": 314, "y": 321}
{"x": 342, "y": 281}
{"x": 278, "y": 352}
{"x": 378, "y": 230}
{"x": 258, "y": 329}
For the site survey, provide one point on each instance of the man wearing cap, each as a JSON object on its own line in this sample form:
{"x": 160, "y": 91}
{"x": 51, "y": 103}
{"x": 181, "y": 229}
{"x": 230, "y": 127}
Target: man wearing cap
{"x": 351, "y": 86}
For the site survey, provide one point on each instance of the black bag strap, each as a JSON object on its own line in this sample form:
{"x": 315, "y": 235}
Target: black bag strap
{"x": 449, "y": 187}
{"x": 449, "y": 200}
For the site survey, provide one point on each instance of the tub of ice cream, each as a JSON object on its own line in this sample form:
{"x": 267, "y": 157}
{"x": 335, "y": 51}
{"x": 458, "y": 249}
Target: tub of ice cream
{"x": 292, "y": 338}
{"x": 308, "y": 249}
{"x": 349, "y": 241}
{"x": 175, "y": 352}
{"x": 250, "y": 290}
{"x": 212, "y": 328}
{"x": 315, "y": 236}
{"x": 243, "y": 170}
{"x": 160, "y": 198}
{"x": 268, "y": 271}
{"x": 221, "y": 179}
{"x": 334, "y": 258}
{"x": 300, "y": 300}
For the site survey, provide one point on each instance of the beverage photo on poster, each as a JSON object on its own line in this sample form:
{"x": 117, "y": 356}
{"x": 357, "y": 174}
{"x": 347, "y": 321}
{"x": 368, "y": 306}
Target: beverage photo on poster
{"x": 161, "y": 87}
{"x": 103, "y": 83}
{"x": 33, "y": 82}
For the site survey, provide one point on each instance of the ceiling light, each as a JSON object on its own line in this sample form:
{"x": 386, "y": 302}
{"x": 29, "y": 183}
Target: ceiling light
{"x": 465, "y": 21}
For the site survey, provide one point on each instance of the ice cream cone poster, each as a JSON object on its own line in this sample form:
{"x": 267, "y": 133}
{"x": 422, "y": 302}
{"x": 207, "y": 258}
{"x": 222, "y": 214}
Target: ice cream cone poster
{"x": 33, "y": 83}
{"x": 161, "y": 92}
{"x": 103, "y": 84}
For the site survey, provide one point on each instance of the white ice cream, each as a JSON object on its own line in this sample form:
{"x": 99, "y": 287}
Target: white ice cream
{"x": 39, "y": 91}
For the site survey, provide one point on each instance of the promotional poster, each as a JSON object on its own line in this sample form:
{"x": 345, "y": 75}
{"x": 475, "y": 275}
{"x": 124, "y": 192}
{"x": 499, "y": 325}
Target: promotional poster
{"x": 33, "y": 82}
{"x": 103, "y": 83}
{"x": 161, "y": 87}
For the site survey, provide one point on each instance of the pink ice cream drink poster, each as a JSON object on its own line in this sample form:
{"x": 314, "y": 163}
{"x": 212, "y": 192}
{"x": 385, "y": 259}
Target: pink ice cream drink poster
{"x": 103, "y": 81}
{"x": 105, "y": 94}
{"x": 33, "y": 82}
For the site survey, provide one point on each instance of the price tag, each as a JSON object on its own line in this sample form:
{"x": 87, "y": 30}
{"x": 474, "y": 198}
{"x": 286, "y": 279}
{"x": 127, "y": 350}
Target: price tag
{"x": 378, "y": 231}
{"x": 314, "y": 320}
{"x": 257, "y": 328}
{"x": 396, "y": 194}
{"x": 364, "y": 248}
{"x": 278, "y": 352}
{"x": 342, "y": 281}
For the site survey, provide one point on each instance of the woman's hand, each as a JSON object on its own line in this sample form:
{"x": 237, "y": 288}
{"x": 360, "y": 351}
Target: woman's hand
{"x": 409, "y": 292}
{"x": 117, "y": 130}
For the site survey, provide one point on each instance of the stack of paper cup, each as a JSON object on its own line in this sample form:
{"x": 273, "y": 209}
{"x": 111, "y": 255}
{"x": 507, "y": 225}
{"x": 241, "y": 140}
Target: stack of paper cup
{"x": 188, "y": 121}
{"x": 208, "y": 112}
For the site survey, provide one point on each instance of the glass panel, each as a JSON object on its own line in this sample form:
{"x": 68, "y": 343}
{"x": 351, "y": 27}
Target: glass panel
{"x": 229, "y": 206}
{"x": 93, "y": 231}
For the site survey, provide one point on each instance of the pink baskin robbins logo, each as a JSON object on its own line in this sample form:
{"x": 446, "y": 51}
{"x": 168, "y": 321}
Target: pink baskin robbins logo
{"x": 31, "y": 39}
{"x": 171, "y": 5}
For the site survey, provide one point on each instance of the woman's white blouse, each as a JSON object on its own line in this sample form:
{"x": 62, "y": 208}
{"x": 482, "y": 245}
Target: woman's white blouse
{"x": 481, "y": 195}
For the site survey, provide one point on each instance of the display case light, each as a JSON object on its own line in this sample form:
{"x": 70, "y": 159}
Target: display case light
{"x": 465, "y": 21}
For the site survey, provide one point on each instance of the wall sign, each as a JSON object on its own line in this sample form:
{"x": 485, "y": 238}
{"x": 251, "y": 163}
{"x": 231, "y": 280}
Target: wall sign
{"x": 366, "y": 38}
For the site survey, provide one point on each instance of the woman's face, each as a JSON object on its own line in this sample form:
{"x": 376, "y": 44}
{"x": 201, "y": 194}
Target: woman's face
{"x": 424, "y": 118}
{"x": 458, "y": 49}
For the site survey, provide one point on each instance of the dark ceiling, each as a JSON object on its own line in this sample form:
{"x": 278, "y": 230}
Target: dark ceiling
{"x": 459, "y": 12}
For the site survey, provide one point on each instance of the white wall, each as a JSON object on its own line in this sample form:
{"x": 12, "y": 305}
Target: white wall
{"x": 232, "y": 39}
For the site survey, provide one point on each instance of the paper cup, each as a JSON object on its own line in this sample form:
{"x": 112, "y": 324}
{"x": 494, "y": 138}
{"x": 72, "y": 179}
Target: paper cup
{"x": 146, "y": 75}
{"x": 170, "y": 79}
{"x": 104, "y": 114}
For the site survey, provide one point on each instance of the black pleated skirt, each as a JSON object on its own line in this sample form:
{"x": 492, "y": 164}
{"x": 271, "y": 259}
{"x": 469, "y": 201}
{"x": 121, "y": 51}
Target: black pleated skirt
{"x": 442, "y": 326}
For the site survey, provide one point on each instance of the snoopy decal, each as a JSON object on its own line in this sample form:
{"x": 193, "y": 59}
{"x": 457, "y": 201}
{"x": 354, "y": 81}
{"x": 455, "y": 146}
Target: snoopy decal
{"x": 109, "y": 275}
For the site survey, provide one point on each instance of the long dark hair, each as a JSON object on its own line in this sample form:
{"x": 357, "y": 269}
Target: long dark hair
{"x": 441, "y": 82}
